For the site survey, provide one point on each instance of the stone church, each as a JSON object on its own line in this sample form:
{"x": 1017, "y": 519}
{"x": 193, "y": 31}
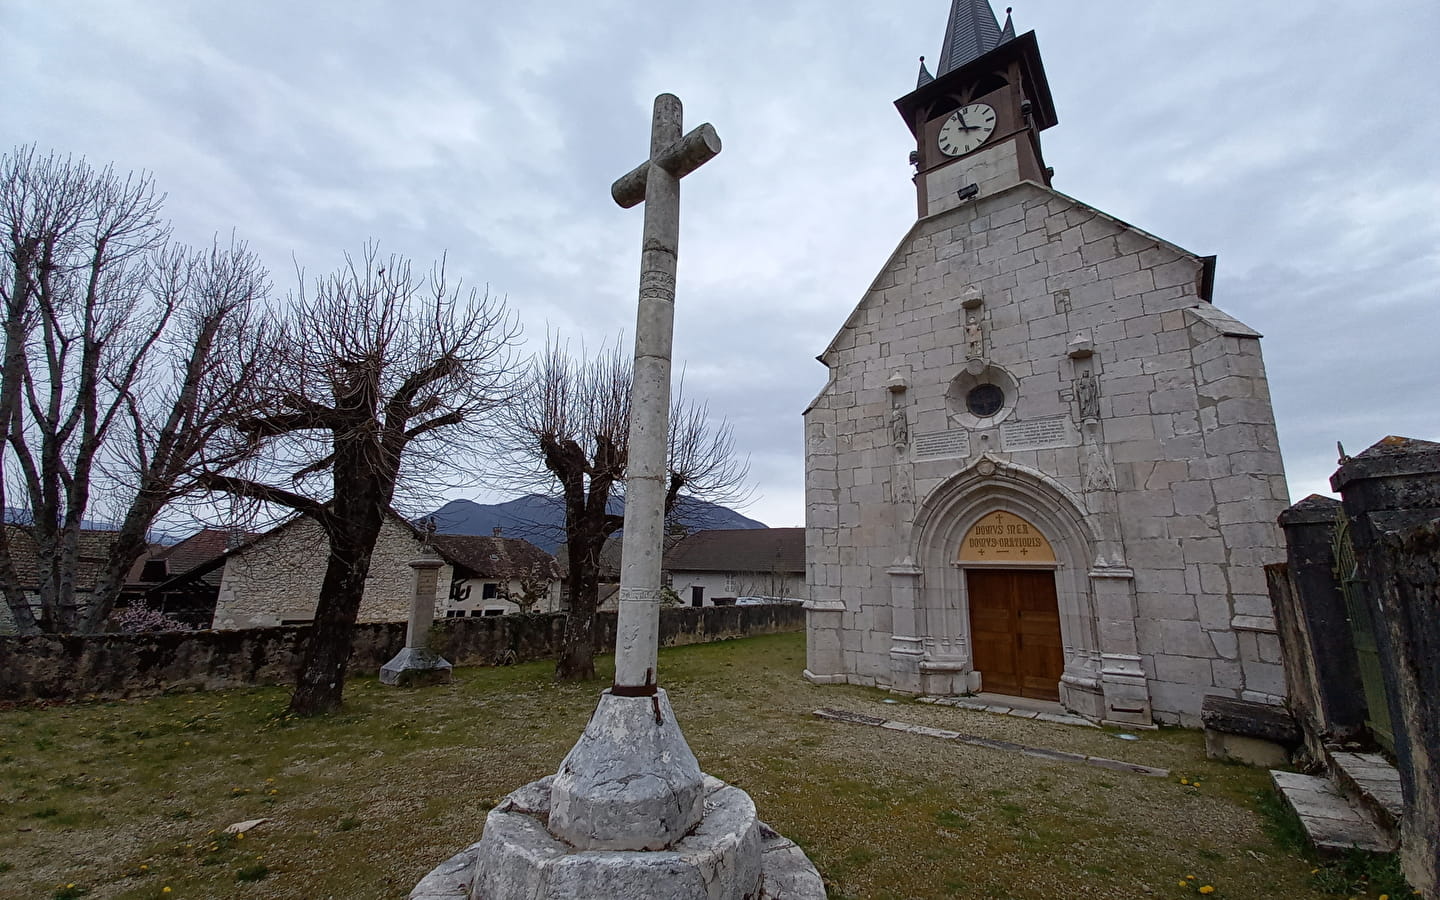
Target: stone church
{"x": 1044, "y": 464}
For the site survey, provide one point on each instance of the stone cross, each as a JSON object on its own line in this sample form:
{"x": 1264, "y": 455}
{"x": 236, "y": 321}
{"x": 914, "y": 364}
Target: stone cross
{"x": 656, "y": 182}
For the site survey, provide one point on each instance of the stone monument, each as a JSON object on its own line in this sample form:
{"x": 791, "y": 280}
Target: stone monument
{"x": 417, "y": 663}
{"x": 630, "y": 814}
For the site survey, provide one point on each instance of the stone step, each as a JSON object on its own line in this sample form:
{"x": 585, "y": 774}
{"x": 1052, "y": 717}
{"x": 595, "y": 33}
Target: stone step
{"x": 1369, "y": 779}
{"x": 1333, "y": 823}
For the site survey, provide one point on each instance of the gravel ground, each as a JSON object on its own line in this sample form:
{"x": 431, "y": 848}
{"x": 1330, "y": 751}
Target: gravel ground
{"x": 121, "y": 799}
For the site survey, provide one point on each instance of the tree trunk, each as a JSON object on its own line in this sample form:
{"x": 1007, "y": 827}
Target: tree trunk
{"x": 321, "y": 681}
{"x": 576, "y": 661}
{"x": 129, "y": 546}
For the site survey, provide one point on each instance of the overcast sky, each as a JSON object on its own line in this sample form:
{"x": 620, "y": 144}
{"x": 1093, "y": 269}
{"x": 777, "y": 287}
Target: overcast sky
{"x": 1295, "y": 140}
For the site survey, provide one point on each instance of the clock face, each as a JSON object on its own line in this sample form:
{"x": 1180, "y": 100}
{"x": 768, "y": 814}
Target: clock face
{"x": 967, "y": 128}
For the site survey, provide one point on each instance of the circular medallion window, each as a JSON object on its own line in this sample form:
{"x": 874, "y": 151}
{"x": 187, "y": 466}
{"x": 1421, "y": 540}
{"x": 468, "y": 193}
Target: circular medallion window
{"x": 984, "y": 400}
{"x": 981, "y": 399}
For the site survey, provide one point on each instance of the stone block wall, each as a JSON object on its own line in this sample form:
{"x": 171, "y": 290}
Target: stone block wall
{"x": 277, "y": 578}
{"x": 59, "y": 667}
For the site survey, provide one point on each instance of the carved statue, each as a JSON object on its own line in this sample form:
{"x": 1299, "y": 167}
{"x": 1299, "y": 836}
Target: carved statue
{"x": 974, "y": 341}
{"x": 1087, "y": 392}
{"x": 899, "y": 427}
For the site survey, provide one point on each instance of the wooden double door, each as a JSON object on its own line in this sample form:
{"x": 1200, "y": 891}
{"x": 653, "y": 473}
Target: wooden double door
{"x": 1015, "y": 632}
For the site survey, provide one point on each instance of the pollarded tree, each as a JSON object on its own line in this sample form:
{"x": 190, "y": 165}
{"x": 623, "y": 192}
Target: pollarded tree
{"x": 119, "y": 368}
{"x": 569, "y": 430}
{"x": 379, "y": 369}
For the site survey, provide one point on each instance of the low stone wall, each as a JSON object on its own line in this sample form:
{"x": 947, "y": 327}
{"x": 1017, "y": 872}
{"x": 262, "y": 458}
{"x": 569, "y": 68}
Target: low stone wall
{"x": 72, "y": 667}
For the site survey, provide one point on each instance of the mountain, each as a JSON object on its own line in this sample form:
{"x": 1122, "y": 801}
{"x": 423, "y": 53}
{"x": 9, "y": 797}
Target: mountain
{"x": 541, "y": 520}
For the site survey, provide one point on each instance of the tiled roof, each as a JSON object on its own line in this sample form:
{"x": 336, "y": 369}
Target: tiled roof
{"x": 201, "y": 547}
{"x": 493, "y": 557}
{"x": 740, "y": 550}
{"x": 93, "y": 551}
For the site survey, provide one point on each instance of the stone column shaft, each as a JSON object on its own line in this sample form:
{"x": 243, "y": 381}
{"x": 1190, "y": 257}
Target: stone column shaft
{"x": 637, "y": 632}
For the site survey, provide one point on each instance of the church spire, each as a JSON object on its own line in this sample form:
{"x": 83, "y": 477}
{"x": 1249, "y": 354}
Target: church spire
{"x": 972, "y": 31}
{"x": 925, "y": 77}
{"x": 1008, "y": 32}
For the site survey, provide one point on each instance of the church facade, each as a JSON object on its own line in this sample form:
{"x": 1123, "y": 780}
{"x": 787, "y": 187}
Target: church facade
{"x": 1043, "y": 464}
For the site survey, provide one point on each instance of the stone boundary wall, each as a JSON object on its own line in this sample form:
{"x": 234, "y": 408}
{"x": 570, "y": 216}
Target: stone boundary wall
{"x": 75, "y": 667}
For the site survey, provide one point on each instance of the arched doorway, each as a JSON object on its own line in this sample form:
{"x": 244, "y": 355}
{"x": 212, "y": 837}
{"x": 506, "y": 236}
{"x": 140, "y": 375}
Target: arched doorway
{"x": 1014, "y": 613}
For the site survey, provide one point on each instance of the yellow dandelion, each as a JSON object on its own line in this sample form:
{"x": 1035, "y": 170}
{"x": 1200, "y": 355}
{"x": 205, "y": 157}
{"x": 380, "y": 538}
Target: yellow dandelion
{"x": 1189, "y": 877}
{"x": 1183, "y": 883}
{"x": 1184, "y": 781}
{"x": 1384, "y": 897}
{"x": 165, "y": 889}
{"x": 1207, "y": 889}
{"x": 240, "y": 836}
{"x": 144, "y": 868}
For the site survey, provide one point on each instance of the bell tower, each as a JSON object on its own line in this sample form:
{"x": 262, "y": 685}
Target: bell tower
{"x": 977, "y": 120}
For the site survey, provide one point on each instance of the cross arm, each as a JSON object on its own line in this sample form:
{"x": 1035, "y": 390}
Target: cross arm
{"x": 679, "y": 159}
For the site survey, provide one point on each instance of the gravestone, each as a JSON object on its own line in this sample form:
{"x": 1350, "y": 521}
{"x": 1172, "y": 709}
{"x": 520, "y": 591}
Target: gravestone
{"x": 1391, "y": 493}
{"x": 630, "y": 814}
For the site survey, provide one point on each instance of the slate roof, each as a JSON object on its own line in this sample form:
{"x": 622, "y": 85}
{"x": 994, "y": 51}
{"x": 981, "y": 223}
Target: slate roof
{"x": 200, "y": 548}
{"x": 740, "y": 550}
{"x": 971, "y": 32}
{"x": 493, "y": 557}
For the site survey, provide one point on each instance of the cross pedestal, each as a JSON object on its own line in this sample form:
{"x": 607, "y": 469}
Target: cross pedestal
{"x": 630, "y": 814}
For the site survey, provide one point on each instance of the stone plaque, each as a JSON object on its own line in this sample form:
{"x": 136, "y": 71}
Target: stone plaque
{"x": 1005, "y": 537}
{"x": 942, "y": 444}
{"x": 1036, "y": 434}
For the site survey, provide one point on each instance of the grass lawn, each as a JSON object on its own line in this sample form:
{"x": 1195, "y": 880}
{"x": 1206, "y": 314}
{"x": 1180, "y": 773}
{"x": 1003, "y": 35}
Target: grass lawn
{"x": 126, "y": 799}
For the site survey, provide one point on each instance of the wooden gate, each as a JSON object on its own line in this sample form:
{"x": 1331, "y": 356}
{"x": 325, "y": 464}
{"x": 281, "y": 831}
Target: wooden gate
{"x": 1015, "y": 632}
{"x": 1362, "y": 632}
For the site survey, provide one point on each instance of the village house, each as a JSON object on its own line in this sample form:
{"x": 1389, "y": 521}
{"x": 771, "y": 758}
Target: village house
{"x": 716, "y": 568}
{"x": 275, "y": 578}
{"x": 94, "y": 548}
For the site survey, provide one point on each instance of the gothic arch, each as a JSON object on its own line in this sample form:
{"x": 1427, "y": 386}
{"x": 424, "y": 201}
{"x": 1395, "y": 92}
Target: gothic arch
{"x": 947, "y": 514}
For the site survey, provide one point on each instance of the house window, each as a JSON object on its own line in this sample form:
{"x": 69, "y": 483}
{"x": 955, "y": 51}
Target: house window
{"x": 454, "y": 613}
{"x": 494, "y": 612}
{"x": 730, "y": 581}
{"x": 490, "y": 591}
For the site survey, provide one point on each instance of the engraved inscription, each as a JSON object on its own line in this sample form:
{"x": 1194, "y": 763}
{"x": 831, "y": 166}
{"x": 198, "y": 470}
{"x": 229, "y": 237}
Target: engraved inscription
{"x": 942, "y": 444}
{"x": 657, "y": 285}
{"x": 1035, "y": 434}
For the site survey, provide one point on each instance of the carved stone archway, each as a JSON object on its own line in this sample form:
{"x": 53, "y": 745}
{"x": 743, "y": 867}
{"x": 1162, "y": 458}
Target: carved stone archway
{"x": 931, "y": 651}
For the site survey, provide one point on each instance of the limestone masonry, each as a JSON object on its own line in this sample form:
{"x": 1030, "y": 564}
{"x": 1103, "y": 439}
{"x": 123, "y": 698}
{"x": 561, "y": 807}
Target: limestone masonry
{"x": 1043, "y": 463}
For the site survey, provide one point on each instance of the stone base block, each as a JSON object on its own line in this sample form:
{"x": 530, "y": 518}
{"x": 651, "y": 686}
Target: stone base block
{"x": 416, "y": 666}
{"x": 824, "y": 679}
{"x": 1248, "y": 750}
{"x": 630, "y": 782}
{"x": 730, "y": 855}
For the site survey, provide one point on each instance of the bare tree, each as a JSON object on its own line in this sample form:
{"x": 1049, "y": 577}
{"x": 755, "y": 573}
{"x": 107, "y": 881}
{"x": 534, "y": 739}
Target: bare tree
{"x": 378, "y": 369}
{"x": 569, "y": 429}
{"x": 98, "y": 310}
{"x": 534, "y": 586}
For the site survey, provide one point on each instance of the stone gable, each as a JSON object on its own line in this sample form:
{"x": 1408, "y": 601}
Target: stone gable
{"x": 276, "y": 578}
{"x": 1136, "y": 425}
